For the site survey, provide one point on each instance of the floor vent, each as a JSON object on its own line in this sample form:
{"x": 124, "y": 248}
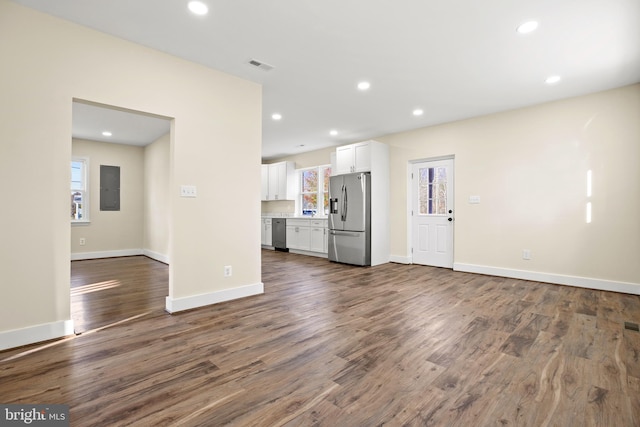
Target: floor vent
{"x": 631, "y": 326}
{"x": 261, "y": 65}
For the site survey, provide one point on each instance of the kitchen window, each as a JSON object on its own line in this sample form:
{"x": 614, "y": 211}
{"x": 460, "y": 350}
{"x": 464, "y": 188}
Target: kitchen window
{"x": 79, "y": 190}
{"x": 314, "y": 191}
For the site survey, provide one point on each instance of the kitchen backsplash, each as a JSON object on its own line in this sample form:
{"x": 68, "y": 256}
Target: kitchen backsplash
{"x": 279, "y": 207}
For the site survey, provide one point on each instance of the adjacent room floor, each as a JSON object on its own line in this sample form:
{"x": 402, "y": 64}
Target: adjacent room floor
{"x": 335, "y": 345}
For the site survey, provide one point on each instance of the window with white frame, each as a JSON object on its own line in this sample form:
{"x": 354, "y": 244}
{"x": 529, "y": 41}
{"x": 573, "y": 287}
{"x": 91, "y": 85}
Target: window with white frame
{"x": 314, "y": 191}
{"x": 79, "y": 189}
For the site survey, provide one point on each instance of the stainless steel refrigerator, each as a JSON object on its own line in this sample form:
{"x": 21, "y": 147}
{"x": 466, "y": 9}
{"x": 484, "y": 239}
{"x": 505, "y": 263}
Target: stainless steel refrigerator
{"x": 350, "y": 218}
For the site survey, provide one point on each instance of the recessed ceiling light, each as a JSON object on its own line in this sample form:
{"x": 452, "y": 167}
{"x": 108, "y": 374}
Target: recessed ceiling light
{"x": 333, "y": 132}
{"x": 106, "y": 133}
{"x": 552, "y": 80}
{"x": 276, "y": 116}
{"x": 364, "y": 85}
{"x": 198, "y": 7}
{"x": 418, "y": 112}
{"x": 527, "y": 27}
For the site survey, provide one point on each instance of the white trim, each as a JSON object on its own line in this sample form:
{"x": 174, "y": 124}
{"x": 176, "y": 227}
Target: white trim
{"x": 105, "y": 254}
{"x": 309, "y": 253}
{"x": 173, "y": 305}
{"x": 410, "y": 164}
{"x": 559, "y": 279}
{"x": 400, "y": 259}
{"x": 156, "y": 256}
{"x": 34, "y": 334}
{"x": 409, "y": 187}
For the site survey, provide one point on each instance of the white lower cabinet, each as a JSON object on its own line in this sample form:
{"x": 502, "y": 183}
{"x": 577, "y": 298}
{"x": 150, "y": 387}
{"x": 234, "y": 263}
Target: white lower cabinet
{"x": 298, "y": 234}
{"x": 317, "y": 239}
{"x": 307, "y": 235}
{"x": 266, "y": 232}
{"x": 319, "y": 235}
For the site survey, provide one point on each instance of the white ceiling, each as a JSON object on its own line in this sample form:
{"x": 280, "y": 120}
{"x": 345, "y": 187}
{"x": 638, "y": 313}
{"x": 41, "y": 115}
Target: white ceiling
{"x": 125, "y": 126}
{"x": 454, "y": 59}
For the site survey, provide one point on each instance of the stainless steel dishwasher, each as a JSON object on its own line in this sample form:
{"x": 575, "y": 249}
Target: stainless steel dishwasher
{"x": 279, "y": 234}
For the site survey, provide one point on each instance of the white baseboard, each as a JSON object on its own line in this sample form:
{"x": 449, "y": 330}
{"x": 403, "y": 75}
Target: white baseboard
{"x": 105, "y": 254}
{"x": 156, "y": 255}
{"x": 173, "y": 305}
{"x": 34, "y": 334}
{"x": 400, "y": 259}
{"x": 309, "y": 253}
{"x": 559, "y": 279}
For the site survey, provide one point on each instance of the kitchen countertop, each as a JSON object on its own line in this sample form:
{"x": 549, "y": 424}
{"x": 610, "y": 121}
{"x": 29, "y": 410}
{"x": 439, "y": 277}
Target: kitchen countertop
{"x": 292, "y": 216}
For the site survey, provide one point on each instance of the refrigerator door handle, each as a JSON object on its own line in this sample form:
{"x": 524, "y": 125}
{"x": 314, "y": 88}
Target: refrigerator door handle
{"x": 344, "y": 203}
{"x": 344, "y": 233}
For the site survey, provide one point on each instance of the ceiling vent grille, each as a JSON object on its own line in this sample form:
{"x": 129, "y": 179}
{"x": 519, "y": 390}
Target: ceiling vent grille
{"x": 261, "y": 65}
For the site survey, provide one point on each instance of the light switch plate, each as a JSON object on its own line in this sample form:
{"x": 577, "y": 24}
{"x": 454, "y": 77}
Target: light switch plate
{"x": 474, "y": 199}
{"x": 188, "y": 191}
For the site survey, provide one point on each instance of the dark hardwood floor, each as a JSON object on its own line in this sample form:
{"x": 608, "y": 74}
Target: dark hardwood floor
{"x": 334, "y": 345}
{"x": 105, "y": 291}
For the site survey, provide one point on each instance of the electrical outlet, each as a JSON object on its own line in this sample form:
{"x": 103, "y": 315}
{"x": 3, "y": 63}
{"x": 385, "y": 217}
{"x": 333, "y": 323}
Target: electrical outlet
{"x": 526, "y": 254}
{"x": 227, "y": 271}
{"x": 83, "y": 241}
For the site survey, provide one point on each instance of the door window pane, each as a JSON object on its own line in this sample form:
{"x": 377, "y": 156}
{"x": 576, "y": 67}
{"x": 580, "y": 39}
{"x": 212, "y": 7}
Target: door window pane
{"x": 432, "y": 184}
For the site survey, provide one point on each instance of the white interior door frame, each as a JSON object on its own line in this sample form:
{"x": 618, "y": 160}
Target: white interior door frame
{"x": 409, "y": 216}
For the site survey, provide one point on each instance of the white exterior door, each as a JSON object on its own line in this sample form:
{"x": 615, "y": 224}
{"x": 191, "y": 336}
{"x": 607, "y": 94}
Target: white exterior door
{"x": 432, "y": 213}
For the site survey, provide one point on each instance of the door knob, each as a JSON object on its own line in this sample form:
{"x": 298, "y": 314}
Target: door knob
{"x": 450, "y": 219}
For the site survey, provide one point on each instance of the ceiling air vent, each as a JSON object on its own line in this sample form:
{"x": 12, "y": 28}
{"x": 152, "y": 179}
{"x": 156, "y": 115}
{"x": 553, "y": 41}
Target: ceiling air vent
{"x": 261, "y": 65}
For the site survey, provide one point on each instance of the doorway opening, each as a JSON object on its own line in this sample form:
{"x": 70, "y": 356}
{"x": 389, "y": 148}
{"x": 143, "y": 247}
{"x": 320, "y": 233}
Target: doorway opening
{"x": 119, "y": 251}
{"x": 431, "y": 212}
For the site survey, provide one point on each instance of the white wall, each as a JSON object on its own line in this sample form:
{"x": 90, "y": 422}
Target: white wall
{"x": 111, "y": 232}
{"x": 157, "y": 216}
{"x": 47, "y": 63}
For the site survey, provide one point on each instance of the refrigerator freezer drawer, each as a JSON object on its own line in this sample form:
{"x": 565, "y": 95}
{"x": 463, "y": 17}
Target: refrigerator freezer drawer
{"x": 349, "y": 247}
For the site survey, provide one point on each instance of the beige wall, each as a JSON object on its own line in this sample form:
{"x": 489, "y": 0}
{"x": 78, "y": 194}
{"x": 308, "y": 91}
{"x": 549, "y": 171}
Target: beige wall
{"x": 47, "y": 63}
{"x": 308, "y": 159}
{"x": 157, "y": 215}
{"x": 111, "y": 230}
{"x": 529, "y": 167}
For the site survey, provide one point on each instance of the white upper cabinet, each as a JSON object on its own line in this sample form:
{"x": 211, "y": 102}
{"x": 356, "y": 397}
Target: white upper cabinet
{"x": 278, "y": 181}
{"x": 265, "y": 182}
{"x": 353, "y": 158}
